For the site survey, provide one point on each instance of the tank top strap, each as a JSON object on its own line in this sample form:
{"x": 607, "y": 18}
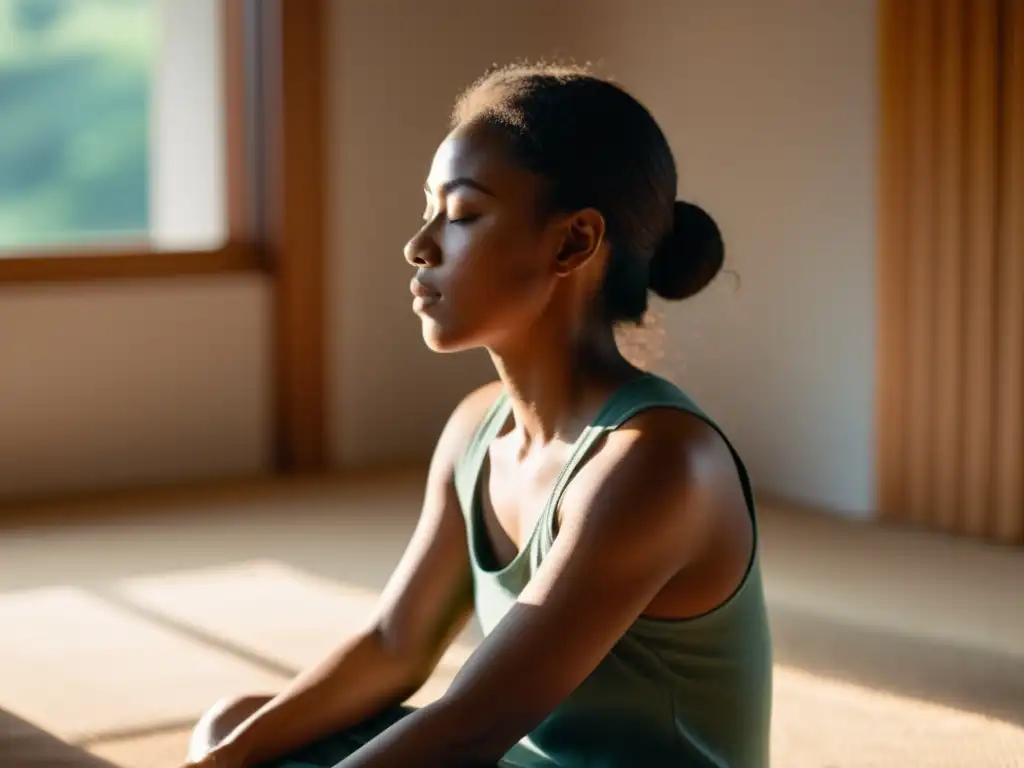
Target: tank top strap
{"x": 641, "y": 394}
{"x": 646, "y": 391}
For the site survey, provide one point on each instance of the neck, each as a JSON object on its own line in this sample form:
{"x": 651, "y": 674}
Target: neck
{"x": 552, "y": 377}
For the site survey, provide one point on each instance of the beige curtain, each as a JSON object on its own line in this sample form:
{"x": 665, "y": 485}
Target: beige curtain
{"x": 951, "y": 265}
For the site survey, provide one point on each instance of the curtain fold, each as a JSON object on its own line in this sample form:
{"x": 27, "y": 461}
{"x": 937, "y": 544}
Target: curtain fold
{"x": 951, "y": 265}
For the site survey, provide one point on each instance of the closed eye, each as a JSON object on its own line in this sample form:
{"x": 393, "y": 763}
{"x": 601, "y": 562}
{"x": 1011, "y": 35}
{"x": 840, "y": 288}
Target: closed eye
{"x": 469, "y": 219}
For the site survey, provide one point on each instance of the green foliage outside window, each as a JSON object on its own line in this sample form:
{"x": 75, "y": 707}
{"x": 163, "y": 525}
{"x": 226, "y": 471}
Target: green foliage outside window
{"x": 74, "y": 120}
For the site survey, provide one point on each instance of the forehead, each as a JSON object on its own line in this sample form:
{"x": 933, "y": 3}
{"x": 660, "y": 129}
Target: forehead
{"x": 477, "y": 152}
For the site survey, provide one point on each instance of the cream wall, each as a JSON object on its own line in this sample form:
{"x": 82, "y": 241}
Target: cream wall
{"x": 130, "y": 384}
{"x": 770, "y": 108}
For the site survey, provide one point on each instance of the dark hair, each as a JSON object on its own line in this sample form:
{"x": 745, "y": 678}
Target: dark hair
{"x": 599, "y": 147}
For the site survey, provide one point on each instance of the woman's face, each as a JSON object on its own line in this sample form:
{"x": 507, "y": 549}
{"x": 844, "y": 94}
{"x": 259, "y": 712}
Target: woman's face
{"x": 485, "y": 258}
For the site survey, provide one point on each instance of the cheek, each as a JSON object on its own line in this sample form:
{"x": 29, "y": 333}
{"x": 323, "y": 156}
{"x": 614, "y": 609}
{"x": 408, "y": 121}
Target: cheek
{"x": 494, "y": 265}
{"x": 495, "y": 281}
{"x": 512, "y": 288}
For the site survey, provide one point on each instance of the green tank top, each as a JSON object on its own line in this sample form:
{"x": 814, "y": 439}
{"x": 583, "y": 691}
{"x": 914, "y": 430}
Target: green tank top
{"x": 691, "y": 692}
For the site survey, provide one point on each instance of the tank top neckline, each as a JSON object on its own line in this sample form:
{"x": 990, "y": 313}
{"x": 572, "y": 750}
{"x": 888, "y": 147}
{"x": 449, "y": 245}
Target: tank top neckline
{"x": 481, "y": 548}
{"x": 495, "y": 420}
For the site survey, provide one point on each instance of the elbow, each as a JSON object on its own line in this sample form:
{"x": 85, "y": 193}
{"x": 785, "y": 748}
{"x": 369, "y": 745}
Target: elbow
{"x": 407, "y": 662}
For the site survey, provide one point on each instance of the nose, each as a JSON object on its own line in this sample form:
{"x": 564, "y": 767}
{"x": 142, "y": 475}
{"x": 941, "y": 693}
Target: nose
{"x": 422, "y": 251}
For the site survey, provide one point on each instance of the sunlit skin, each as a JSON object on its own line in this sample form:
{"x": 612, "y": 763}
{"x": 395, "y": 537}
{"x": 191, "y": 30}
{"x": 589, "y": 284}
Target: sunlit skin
{"x": 654, "y": 524}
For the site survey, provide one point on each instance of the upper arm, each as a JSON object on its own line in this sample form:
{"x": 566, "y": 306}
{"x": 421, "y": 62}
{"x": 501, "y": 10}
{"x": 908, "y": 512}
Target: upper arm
{"x": 643, "y": 519}
{"x": 429, "y": 595}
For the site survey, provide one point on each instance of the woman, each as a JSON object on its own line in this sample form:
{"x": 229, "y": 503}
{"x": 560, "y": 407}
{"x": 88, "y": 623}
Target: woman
{"x": 599, "y": 523}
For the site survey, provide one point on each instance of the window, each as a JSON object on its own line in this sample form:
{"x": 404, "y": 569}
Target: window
{"x": 114, "y": 125}
{"x": 74, "y": 134}
{"x": 175, "y": 137}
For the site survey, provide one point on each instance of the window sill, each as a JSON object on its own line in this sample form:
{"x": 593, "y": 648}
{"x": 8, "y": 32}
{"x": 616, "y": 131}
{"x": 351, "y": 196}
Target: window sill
{"x": 72, "y": 267}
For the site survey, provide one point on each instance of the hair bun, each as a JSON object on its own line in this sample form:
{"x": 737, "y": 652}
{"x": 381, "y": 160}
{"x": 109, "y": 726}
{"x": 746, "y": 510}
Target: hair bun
{"x": 689, "y": 257}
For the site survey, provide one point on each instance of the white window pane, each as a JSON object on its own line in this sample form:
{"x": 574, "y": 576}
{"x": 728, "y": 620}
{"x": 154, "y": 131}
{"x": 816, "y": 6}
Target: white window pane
{"x": 187, "y": 190}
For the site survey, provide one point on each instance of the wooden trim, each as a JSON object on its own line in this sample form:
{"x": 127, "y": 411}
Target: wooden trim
{"x": 238, "y": 165}
{"x": 1008, "y": 520}
{"x": 982, "y": 134}
{"x": 61, "y": 267}
{"x": 891, "y": 287}
{"x": 294, "y": 199}
{"x": 920, "y": 395}
{"x": 949, "y": 264}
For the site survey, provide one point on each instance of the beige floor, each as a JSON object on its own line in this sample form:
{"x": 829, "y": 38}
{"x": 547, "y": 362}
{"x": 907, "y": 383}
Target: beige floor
{"x": 120, "y": 620}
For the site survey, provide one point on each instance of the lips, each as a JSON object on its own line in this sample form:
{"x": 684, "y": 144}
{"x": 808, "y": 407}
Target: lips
{"x": 422, "y": 291}
{"x": 424, "y": 296}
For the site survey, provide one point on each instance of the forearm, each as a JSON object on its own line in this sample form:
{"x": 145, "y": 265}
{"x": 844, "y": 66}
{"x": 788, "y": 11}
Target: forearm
{"x": 441, "y": 734}
{"x": 358, "y": 681}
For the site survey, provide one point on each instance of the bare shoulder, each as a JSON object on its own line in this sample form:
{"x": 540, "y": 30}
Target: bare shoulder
{"x": 663, "y": 450}
{"x": 668, "y": 478}
{"x": 463, "y": 423}
{"x": 472, "y": 408}
{"x": 674, "y": 444}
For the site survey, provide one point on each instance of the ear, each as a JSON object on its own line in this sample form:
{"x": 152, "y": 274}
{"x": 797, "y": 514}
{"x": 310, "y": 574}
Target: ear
{"x": 583, "y": 238}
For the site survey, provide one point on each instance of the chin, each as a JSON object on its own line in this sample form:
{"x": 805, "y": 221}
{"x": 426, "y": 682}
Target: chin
{"x": 444, "y": 340}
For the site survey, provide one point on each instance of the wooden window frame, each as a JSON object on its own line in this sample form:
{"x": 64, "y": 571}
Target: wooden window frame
{"x": 293, "y": 222}
{"x": 274, "y": 105}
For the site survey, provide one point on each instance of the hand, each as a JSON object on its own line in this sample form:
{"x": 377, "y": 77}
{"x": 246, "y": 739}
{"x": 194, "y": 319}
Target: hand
{"x": 216, "y": 759}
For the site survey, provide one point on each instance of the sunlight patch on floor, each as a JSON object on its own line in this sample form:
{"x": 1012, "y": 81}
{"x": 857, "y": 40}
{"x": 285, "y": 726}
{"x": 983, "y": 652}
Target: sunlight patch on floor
{"x": 78, "y": 666}
{"x": 819, "y": 721}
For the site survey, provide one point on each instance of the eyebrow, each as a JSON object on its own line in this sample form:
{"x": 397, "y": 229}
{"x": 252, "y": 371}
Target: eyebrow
{"x": 462, "y": 181}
